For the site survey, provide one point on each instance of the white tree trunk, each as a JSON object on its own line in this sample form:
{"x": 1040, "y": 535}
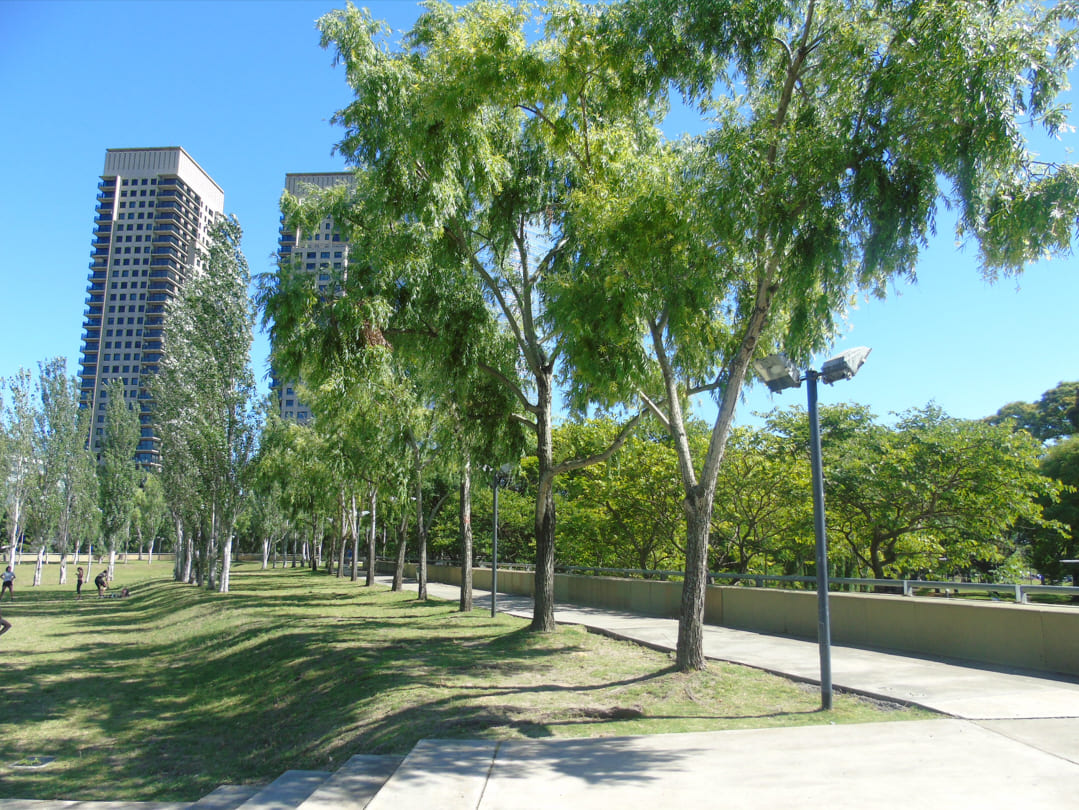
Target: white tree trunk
{"x": 39, "y": 566}
{"x": 226, "y": 564}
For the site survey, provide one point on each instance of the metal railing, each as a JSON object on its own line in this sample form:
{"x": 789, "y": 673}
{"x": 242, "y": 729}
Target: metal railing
{"x": 907, "y": 587}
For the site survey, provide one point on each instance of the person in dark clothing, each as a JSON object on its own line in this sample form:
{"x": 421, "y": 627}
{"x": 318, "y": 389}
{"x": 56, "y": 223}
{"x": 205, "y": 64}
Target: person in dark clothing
{"x": 102, "y": 582}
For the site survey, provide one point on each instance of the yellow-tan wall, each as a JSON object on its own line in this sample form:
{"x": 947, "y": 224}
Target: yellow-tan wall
{"x": 1034, "y": 637}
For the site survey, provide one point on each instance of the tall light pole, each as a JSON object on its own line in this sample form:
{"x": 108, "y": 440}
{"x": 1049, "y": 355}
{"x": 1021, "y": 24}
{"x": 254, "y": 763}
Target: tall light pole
{"x": 778, "y": 374}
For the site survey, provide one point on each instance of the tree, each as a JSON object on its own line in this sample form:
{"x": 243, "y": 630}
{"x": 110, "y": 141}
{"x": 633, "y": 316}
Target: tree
{"x": 1050, "y": 545}
{"x": 203, "y": 391}
{"x": 151, "y": 512}
{"x": 68, "y": 470}
{"x": 837, "y": 130}
{"x": 625, "y": 513}
{"x": 118, "y": 474}
{"x": 456, "y": 200}
{"x": 19, "y": 461}
{"x": 762, "y": 515}
{"x": 901, "y": 498}
{"x": 1054, "y": 416}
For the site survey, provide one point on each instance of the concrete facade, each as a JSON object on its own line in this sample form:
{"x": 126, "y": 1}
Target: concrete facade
{"x": 155, "y": 209}
{"x": 322, "y": 254}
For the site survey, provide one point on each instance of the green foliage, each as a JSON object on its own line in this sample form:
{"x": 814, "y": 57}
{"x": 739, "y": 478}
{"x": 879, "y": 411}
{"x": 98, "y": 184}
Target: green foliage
{"x": 151, "y": 510}
{"x": 626, "y": 512}
{"x": 762, "y": 520}
{"x": 1054, "y": 416}
{"x": 902, "y": 498}
{"x": 203, "y": 393}
{"x": 17, "y": 454}
{"x": 1050, "y": 545}
{"x": 118, "y": 475}
{"x": 67, "y": 501}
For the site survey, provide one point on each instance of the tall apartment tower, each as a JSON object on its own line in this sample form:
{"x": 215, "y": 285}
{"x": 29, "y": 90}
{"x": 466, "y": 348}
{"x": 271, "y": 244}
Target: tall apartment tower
{"x": 155, "y": 209}
{"x": 318, "y": 253}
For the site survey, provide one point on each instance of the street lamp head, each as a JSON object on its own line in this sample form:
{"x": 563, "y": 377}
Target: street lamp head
{"x": 778, "y": 372}
{"x": 845, "y": 365}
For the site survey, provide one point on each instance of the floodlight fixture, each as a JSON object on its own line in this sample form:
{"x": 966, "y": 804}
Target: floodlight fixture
{"x": 845, "y": 365}
{"x": 778, "y": 372}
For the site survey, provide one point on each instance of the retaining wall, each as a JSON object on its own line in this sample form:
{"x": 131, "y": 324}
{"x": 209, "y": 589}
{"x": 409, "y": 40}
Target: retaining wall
{"x": 1036, "y": 637}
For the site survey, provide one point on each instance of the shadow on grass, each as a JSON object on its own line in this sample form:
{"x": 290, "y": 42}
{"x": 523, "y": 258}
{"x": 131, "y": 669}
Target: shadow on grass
{"x": 176, "y": 690}
{"x": 171, "y": 692}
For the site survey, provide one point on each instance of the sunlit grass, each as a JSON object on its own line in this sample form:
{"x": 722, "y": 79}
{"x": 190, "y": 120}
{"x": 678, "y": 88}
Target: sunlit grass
{"x": 174, "y": 691}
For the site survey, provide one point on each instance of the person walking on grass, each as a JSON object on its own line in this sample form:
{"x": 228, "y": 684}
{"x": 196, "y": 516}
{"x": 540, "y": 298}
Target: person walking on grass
{"x": 5, "y": 625}
{"x": 80, "y": 577}
{"x": 8, "y": 578}
{"x": 102, "y": 582}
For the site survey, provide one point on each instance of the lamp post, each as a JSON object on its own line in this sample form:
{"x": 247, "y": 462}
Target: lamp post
{"x": 778, "y": 374}
{"x": 501, "y": 475}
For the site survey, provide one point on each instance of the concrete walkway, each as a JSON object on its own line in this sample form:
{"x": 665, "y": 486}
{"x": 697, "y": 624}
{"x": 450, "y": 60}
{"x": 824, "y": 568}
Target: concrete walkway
{"x": 1012, "y": 738}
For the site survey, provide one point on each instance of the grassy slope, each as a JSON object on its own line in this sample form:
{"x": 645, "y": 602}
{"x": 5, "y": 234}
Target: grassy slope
{"x": 174, "y": 691}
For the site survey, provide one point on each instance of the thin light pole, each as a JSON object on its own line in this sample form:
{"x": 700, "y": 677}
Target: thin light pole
{"x": 494, "y": 555}
{"x": 824, "y": 624}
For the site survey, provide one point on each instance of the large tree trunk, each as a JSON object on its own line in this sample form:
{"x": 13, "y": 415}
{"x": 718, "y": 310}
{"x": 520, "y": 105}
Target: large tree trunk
{"x": 690, "y": 654}
{"x": 354, "y": 531}
{"x": 372, "y": 536}
{"x": 178, "y": 561}
{"x": 466, "y": 535}
{"x": 421, "y": 531}
{"x": 342, "y": 542}
{"x": 543, "y": 611}
{"x": 226, "y": 563}
{"x": 211, "y": 550}
{"x": 402, "y": 545}
{"x": 63, "y": 568}
{"x": 189, "y": 552}
{"x": 15, "y": 517}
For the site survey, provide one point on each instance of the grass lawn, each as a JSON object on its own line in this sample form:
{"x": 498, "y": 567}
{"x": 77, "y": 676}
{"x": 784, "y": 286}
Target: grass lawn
{"x": 176, "y": 690}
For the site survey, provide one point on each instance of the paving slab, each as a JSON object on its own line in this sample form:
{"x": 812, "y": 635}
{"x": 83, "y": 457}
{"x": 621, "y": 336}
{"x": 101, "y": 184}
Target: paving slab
{"x": 353, "y": 785}
{"x": 226, "y": 797}
{"x": 287, "y": 791}
{"x": 879, "y": 765}
{"x": 443, "y": 774}
{"x": 1057, "y": 737}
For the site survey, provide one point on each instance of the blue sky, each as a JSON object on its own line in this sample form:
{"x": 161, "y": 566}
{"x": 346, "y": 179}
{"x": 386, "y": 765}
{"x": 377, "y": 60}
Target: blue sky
{"x": 245, "y": 88}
